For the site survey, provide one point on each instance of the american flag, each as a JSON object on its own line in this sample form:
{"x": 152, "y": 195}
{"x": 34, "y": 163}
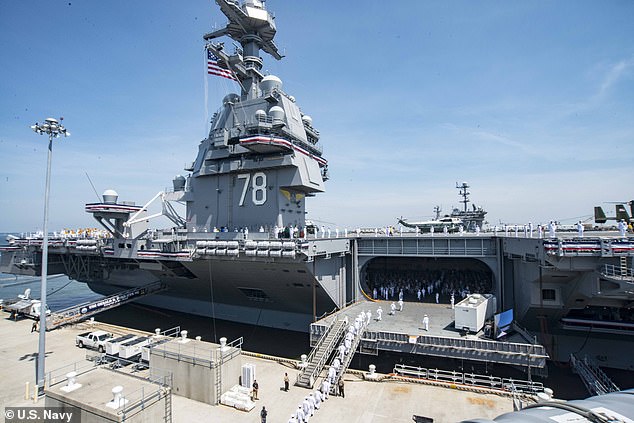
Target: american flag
{"x": 215, "y": 68}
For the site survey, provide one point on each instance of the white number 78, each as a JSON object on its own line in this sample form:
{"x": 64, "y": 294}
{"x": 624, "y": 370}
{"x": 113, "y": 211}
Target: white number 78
{"x": 258, "y": 186}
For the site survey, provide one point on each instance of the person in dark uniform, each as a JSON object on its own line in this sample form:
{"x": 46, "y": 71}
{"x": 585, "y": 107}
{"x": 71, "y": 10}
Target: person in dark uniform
{"x": 286, "y": 382}
{"x": 263, "y": 414}
{"x": 341, "y": 391}
{"x": 255, "y": 389}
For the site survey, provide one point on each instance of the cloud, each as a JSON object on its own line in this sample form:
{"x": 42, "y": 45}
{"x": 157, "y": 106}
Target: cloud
{"x": 613, "y": 75}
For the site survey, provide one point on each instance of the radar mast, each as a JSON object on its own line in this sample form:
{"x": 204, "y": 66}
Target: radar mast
{"x": 251, "y": 25}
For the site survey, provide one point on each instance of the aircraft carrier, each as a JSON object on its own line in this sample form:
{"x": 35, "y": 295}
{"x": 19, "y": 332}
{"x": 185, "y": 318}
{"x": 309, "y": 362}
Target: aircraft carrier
{"x": 244, "y": 252}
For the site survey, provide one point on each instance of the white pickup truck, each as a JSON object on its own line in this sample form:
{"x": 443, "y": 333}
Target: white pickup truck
{"x": 96, "y": 340}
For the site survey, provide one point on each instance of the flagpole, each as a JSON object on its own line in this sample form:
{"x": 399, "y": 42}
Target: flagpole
{"x": 206, "y": 79}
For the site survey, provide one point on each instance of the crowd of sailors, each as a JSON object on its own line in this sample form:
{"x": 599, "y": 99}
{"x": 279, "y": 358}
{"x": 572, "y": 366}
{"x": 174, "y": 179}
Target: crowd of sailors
{"x": 426, "y": 285}
{"x": 333, "y": 382}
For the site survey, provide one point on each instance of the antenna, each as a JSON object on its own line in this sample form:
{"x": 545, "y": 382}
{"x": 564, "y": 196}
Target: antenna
{"x": 437, "y": 210}
{"x": 93, "y": 187}
{"x": 464, "y": 194}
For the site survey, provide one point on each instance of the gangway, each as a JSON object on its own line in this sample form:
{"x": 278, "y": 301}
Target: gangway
{"x": 82, "y": 311}
{"x": 595, "y": 380}
{"x": 321, "y": 353}
{"x": 347, "y": 358}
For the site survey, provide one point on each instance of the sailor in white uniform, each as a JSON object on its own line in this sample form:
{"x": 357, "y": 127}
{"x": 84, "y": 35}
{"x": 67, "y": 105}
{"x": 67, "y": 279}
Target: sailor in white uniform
{"x": 299, "y": 415}
{"x": 318, "y": 399}
{"x": 392, "y": 309}
{"x": 622, "y": 227}
{"x": 400, "y": 305}
{"x": 306, "y": 409}
{"x": 325, "y": 389}
{"x": 552, "y": 229}
{"x": 379, "y": 312}
{"x": 342, "y": 351}
{"x": 311, "y": 403}
{"x": 426, "y": 322}
{"x": 580, "y": 229}
{"x": 332, "y": 373}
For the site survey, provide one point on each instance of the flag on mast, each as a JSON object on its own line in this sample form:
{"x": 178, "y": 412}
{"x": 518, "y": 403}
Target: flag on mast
{"x": 214, "y": 67}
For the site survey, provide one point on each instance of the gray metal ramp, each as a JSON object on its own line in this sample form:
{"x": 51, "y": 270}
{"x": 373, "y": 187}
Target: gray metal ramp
{"x": 82, "y": 311}
{"x": 594, "y": 379}
{"x": 321, "y": 353}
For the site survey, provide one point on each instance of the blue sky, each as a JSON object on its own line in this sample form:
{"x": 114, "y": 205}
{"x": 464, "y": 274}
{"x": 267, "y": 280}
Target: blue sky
{"x": 530, "y": 102}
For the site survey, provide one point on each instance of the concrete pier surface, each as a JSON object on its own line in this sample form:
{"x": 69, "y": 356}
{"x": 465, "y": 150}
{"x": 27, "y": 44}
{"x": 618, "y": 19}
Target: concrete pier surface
{"x": 365, "y": 401}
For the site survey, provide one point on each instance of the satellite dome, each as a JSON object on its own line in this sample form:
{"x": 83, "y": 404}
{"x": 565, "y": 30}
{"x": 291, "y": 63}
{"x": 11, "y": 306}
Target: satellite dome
{"x": 277, "y": 113}
{"x": 110, "y": 196}
{"x": 307, "y": 120}
{"x": 230, "y": 98}
{"x": 260, "y": 115}
{"x": 270, "y": 82}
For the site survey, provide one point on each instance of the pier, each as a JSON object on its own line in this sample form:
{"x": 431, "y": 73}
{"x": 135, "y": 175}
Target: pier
{"x": 393, "y": 400}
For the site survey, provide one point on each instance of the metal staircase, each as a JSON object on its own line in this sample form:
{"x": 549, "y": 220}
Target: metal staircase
{"x": 321, "y": 353}
{"x": 347, "y": 360}
{"x": 595, "y": 380}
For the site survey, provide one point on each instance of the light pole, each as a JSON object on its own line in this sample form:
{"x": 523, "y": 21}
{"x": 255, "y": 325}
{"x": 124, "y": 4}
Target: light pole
{"x": 53, "y": 129}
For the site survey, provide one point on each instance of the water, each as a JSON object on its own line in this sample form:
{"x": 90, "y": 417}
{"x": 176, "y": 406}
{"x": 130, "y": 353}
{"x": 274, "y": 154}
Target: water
{"x": 61, "y": 292}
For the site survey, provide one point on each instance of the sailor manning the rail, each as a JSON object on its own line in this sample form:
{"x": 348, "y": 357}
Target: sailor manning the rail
{"x": 392, "y": 309}
{"x": 400, "y": 305}
{"x": 580, "y": 229}
{"x": 426, "y": 322}
{"x": 552, "y": 229}
{"x": 622, "y": 227}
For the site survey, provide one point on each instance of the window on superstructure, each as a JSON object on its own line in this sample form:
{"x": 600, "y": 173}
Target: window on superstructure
{"x": 549, "y": 295}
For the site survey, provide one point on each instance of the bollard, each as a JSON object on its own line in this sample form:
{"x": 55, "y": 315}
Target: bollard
{"x": 35, "y": 388}
{"x": 26, "y": 391}
{"x": 372, "y": 374}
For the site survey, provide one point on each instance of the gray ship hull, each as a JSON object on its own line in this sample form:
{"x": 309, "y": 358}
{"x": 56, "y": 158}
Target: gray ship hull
{"x": 272, "y": 294}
